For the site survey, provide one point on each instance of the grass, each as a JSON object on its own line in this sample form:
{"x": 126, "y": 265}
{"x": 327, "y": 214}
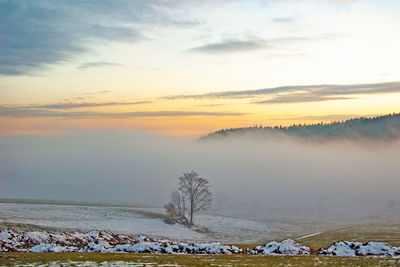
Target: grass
{"x": 147, "y": 214}
{"x": 72, "y": 202}
{"x": 20, "y": 258}
{"x": 388, "y": 233}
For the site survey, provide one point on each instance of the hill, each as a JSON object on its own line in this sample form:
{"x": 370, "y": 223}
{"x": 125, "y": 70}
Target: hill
{"x": 380, "y": 127}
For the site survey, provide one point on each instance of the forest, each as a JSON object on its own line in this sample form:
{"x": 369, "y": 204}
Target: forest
{"x": 379, "y": 127}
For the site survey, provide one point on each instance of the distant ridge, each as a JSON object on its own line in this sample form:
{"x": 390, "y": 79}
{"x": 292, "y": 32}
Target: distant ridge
{"x": 380, "y": 127}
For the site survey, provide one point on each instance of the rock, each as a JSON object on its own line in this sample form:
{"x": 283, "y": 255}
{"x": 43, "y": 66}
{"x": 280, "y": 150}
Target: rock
{"x": 102, "y": 241}
{"x": 286, "y": 247}
{"x": 348, "y": 248}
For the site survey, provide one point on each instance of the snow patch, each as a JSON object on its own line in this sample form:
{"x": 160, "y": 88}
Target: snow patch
{"x": 51, "y": 248}
{"x": 286, "y": 247}
{"x": 307, "y": 236}
{"x": 348, "y": 248}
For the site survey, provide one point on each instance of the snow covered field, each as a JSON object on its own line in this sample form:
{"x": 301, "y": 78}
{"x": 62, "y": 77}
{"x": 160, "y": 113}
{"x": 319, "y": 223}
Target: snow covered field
{"x": 137, "y": 221}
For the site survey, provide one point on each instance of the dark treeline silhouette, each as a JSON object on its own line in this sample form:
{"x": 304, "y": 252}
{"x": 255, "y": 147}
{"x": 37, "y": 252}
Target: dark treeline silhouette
{"x": 386, "y": 126}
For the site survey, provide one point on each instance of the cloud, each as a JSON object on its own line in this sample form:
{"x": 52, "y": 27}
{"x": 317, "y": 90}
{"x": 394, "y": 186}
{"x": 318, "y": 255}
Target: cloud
{"x": 284, "y": 20}
{"x": 211, "y": 105}
{"x": 85, "y": 105}
{"x": 332, "y": 1}
{"x": 237, "y": 45}
{"x": 98, "y": 92}
{"x": 301, "y": 93}
{"x": 230, "y": 46}
{"x": 344, "y": 1}
{"x": 88, "y": 65}
{"x": 330, "y": 117}
{"x": 37, "y": 34}
{"x": 300, "y": 98}
{"x": 29, "y": 112}
{"x": 87, "y": 95}
{"x": 234, "y": 94}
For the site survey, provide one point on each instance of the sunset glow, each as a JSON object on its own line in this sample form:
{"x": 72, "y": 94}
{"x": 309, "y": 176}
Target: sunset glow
{"x": 176, "y": 67}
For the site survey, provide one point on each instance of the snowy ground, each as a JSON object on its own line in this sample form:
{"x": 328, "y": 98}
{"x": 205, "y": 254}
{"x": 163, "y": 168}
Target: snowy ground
{"x": 137, "y": 221}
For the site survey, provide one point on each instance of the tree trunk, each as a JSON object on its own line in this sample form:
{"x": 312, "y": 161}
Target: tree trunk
{"x": 191, "y": 213}
{"x": 191, "y": 219}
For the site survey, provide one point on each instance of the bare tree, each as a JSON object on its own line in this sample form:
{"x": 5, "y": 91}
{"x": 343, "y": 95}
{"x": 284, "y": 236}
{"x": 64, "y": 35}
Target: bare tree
{"x": 176, "y": 209}
{"x": 196, "y": 192}
{"x": 171, "y": 217}
{"x": 179, "y": 202}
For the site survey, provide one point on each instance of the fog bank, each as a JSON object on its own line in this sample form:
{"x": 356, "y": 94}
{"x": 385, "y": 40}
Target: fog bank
{"x": 279, "y": 177}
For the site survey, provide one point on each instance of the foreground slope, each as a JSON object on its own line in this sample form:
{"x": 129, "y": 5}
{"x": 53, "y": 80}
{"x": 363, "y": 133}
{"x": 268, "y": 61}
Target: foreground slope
{"x": 128, "y": 259}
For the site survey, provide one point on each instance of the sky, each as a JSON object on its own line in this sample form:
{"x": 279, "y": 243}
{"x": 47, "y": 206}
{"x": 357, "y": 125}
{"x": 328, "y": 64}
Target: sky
{"x": 192, "y": 67}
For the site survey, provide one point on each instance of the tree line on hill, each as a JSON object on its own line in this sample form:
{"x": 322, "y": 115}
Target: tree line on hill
{"x": 386, "y": 126}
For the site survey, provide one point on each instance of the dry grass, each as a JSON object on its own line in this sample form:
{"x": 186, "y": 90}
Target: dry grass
{"x": 389, "y": 233}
